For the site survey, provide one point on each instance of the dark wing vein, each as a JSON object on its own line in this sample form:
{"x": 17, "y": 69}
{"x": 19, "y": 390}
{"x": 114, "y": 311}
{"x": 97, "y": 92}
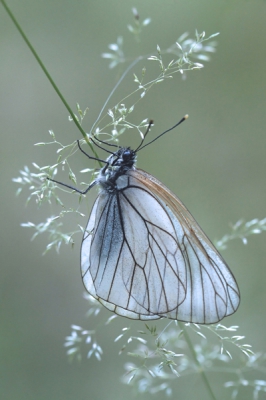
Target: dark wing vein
{"x": 137, "y": 203}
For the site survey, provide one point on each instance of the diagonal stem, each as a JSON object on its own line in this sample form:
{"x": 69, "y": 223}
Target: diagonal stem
{"x": 194, "y": 355}
{"x": 39, "y": 61}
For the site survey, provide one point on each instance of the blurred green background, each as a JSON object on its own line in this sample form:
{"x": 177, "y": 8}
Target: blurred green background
{"x": 215, "y": 162}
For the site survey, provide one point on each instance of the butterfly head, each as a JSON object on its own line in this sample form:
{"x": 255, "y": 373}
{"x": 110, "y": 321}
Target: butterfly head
{"x": 124, "y": 159}
{"x": 117, "y": 165}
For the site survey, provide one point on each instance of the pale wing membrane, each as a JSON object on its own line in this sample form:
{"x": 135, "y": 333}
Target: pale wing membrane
{"x": 132, "y": 259}
{"x": 143, "y": 256}
{"x": 159, "y": 273}
{"x": 211, "y": 290}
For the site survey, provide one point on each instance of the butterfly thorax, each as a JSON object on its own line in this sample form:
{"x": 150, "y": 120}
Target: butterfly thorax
{"x": 117, "y": 165}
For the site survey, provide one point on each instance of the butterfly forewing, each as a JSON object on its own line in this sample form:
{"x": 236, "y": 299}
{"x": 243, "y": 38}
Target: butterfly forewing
{"x": 143, "y": 256}
{"x": 212, "y": 292}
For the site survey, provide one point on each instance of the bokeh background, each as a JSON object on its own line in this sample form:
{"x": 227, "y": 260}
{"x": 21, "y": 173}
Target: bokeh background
{"x": 215, "y": 162}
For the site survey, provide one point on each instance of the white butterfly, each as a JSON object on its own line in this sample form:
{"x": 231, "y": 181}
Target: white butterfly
{"x": 143, "y": 256}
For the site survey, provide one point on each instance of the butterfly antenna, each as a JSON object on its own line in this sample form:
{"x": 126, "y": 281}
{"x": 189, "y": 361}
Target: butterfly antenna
{"x": 168, "y": 130}
{"x": 145, "y": 134}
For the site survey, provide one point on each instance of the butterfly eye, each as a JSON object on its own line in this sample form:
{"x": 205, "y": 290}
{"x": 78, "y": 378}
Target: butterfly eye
{"x": 127, "y": 155}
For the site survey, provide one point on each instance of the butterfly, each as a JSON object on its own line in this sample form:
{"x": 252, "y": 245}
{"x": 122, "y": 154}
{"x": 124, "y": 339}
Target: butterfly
{"x": 143, "y": 256}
